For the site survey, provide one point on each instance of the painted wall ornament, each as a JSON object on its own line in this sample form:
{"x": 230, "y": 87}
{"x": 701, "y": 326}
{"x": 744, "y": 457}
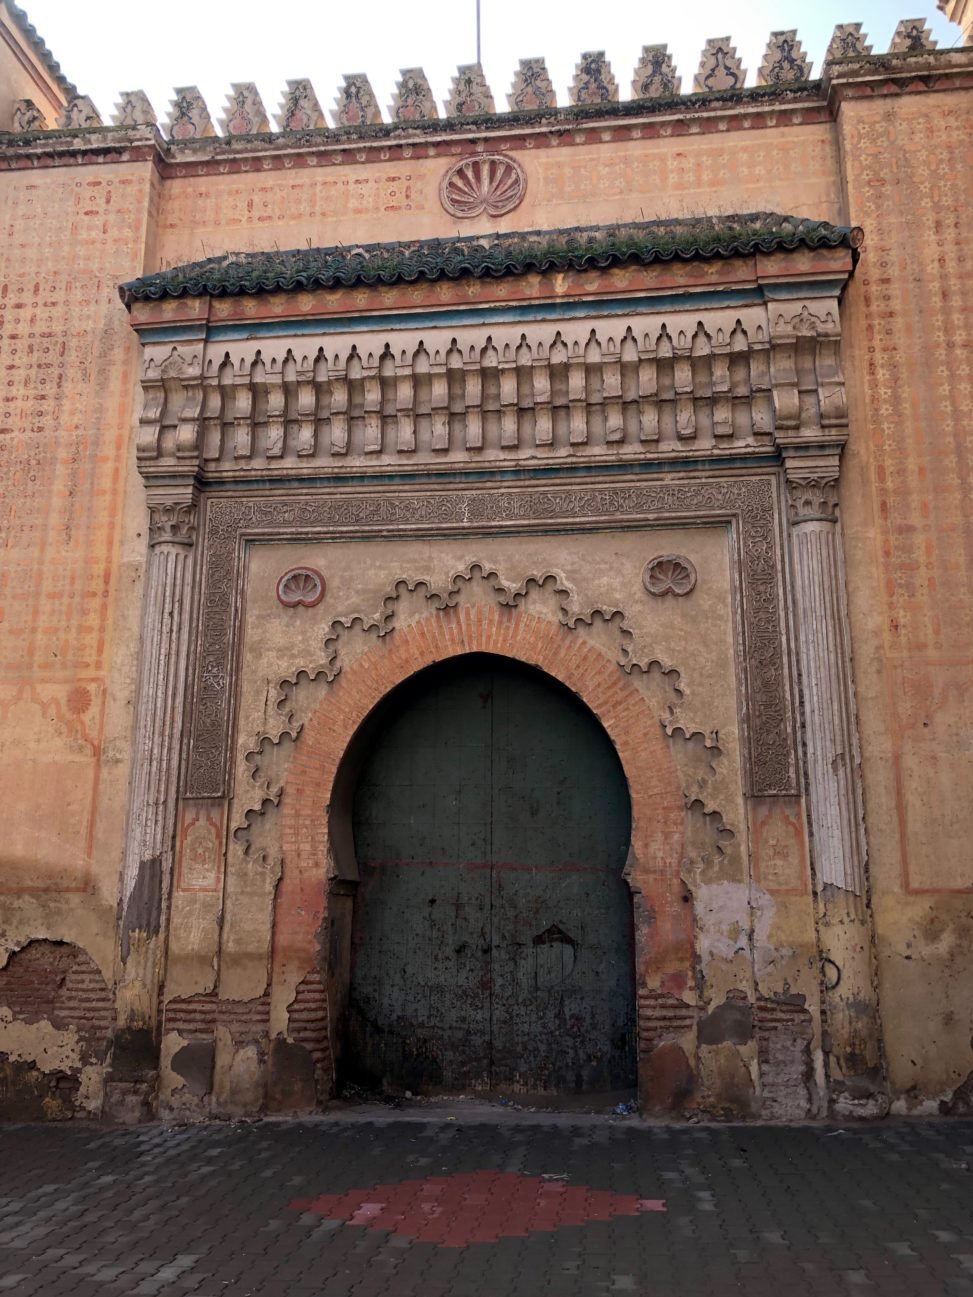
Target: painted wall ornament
{"x": 490, "y": 183}
{"x": 593, "y": 82}
{"x": 669, "y": 574}
{"x": 784, "y": 60}
{"x": 655, "y": 77}
{"x": 413, "y": 99}
{"x": 356, "y": 104}
{"x": 134, "y": 109}
{"x": 27, "y": 117}
{"x": 911, "y": 34}
{"x": 848, "y": 41}
{"x": 532, "y": 89}
{"x": 300, "y": 109}
{"x": 301, "y": 587}
{"x": 189, "y": 117}
{"x": 79, "y": 113}
{"x": 719, "y": 67}
{"x": 470, "y": 95}
{"x": 245, "y": 113}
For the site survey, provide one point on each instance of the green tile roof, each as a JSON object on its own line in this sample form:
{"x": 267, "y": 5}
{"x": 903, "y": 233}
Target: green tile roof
{"x": 490, "y": 255}
{"x": 68, "y": 88}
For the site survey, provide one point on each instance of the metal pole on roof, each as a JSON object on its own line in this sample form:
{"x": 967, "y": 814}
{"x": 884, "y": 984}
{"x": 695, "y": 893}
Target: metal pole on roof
{"x": 478, "y": 31}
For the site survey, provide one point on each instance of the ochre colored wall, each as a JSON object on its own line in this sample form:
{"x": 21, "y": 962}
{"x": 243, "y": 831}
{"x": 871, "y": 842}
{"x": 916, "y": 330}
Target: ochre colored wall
{"x": 898, "y": 164}
{"x": 70, "y": 577}
{"x": 908, "y": 173}
{"x": 791, "y": 169}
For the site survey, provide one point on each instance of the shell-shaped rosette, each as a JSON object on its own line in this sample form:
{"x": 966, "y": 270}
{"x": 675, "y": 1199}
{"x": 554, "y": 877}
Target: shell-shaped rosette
{"x": 488, "y": 183}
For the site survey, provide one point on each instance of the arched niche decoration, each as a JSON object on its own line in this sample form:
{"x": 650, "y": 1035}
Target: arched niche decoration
{"x": 315, "y": 854}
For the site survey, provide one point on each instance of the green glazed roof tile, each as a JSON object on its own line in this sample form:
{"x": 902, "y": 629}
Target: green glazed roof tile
{"x": 489, "y": 255}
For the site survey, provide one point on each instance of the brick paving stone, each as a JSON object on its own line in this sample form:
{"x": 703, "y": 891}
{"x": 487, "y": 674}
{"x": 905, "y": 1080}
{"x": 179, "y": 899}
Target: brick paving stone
{"x": 209, "y": 1210}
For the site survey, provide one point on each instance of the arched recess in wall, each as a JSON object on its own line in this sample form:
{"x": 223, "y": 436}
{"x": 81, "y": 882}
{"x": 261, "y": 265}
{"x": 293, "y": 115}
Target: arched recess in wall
{"x": 491, "y": 929}
{"x": 311, "y": 839}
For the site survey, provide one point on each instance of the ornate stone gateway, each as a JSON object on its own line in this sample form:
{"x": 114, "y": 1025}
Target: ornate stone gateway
{"x": 492, "y": 936}
{"x": 611, "y": 454}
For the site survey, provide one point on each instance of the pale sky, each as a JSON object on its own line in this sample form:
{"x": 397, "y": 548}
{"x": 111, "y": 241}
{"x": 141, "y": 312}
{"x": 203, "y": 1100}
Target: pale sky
{"x": 106, "y": 46}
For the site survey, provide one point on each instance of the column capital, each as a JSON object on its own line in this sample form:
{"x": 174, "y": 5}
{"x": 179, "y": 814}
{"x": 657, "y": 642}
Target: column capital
{"x": 172, "y": 515}
{"x": 813, "y": 498}
{"x": 812, "y": 487}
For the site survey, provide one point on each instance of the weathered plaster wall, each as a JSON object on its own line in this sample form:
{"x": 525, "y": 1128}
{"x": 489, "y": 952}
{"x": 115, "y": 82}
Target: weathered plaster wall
{"x": 898, "y": 164}
{"x": 791, "y": 169}
{"x": 69, "y": 585}
{"x": 908, "y": 164}
{"x": 753, "y": 991}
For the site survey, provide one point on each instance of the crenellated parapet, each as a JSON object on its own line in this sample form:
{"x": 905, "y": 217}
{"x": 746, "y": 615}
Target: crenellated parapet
{"x": 594, "y": 87}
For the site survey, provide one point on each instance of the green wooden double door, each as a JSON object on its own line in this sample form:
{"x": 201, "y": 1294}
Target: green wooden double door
{"x": 492, "y": 937}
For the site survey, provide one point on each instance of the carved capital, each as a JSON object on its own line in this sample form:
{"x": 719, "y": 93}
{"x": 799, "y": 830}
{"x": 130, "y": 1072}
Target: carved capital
{"x": 814, "y": 497}
{"x": 172, "y": 523}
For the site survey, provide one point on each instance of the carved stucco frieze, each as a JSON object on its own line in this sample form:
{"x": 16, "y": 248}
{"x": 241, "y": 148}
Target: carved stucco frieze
{"x": 705, "y": 383}
{"x": 747, "y": 504}
{"x": 411, "y": 599}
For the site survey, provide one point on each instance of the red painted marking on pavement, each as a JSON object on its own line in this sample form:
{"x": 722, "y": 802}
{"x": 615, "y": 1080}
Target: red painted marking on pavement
{"x": 476, "y": 1207}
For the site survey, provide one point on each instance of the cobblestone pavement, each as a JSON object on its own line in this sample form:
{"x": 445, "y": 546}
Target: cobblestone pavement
{"x": 483, "y": 1207}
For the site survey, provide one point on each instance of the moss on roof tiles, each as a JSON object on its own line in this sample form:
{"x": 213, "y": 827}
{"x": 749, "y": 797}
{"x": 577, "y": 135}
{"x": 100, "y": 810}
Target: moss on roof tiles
{"x": 489, "y": 256}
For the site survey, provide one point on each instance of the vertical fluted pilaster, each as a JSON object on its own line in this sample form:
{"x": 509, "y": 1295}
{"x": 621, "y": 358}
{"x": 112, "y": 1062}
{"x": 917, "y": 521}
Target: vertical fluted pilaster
{"x": 149, "y": 844}
{"x": 834, "y": 792}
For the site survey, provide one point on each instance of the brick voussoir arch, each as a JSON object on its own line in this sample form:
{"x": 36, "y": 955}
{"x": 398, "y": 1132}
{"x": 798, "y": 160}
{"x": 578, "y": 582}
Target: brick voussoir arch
{"x": 664, "y": 947}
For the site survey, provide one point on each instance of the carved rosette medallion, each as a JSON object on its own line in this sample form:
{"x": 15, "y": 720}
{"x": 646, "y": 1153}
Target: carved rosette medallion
{"x": 173, "y": 524}
{"x": 490, "y": 183}
{"x": 813, "y": 498}
{"x": 669, "y": 574}
{"x": 301, "y": 587}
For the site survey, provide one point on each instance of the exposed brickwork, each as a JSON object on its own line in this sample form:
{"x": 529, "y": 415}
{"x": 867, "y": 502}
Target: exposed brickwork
{"x": 307, "y": 1024}
{"x": 59, "y": 983}
{"x": 196, "y": 1017}
{"x": 661, "y": 1018}
{"x": 784, "y": 1033}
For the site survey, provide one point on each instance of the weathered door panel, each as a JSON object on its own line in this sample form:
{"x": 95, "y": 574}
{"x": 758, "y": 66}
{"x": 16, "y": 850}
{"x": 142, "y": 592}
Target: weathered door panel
{"x": 563, "y": 961}
{"x": 419, "y": 1007}
{"x": 492, "y": 937}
